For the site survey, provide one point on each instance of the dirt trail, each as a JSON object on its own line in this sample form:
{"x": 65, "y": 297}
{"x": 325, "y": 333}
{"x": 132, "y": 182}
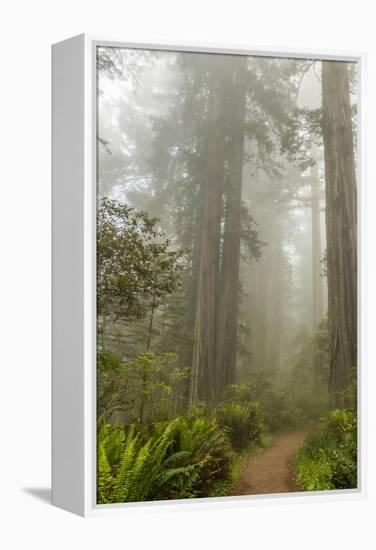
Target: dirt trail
{"x": 271, "y": 470}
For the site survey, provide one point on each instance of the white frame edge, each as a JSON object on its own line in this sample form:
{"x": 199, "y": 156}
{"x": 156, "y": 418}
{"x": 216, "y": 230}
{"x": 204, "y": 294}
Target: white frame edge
{"x": 74, "y": 280}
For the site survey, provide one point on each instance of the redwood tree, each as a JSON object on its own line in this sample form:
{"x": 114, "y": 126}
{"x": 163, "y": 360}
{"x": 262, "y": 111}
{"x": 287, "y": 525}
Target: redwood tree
{"x": 228, "y": 300}
{"x": 340, "y": 192}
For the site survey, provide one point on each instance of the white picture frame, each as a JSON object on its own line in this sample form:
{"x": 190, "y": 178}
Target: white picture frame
{"x": 74, "y": 288}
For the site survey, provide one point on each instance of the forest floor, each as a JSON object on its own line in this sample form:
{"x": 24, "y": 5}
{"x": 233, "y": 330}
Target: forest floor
{"x": 272, "y": 469}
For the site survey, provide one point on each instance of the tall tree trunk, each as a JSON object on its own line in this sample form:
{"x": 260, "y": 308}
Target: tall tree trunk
{"x": 317, "y": 282}
{"x": 340, "y": 192}
{"x": 229, "y": 294}
{"x": 317, "y": 297}
{"x": 265, "y": 317}
{"x": 203, "y": 372}
{"x": 193, "y": 279}
{"x": 275, "y": 301}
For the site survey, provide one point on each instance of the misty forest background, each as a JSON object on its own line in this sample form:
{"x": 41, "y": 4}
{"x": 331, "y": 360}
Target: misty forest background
{"x": 226, "y": 270}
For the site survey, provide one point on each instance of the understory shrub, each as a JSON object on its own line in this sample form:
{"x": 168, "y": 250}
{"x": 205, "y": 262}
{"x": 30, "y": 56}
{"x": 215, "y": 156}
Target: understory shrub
{"x": 242, "y": 421}
{"x": 328, "y": 458}
{"x": 275, "y": 400}
{"x": 295, "y": 395}
{"x": 149, "y": 387}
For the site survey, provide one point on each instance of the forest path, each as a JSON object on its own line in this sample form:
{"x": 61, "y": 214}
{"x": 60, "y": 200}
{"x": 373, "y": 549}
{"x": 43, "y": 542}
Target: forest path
{"x": 272, "y": 469}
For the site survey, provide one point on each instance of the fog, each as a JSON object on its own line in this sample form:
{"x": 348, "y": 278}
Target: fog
{"x": 151, "y": 120}
{"x": 226, "y": 273}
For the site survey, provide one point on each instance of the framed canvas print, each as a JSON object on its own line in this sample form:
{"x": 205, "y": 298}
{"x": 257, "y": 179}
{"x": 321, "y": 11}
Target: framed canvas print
{"x": 206, "y": 275}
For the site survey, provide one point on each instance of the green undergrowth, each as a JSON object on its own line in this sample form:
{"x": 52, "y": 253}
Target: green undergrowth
{"x": 197, "y": 454}
{"x": 186, "y": 457}
{"x": 328, "y": 458}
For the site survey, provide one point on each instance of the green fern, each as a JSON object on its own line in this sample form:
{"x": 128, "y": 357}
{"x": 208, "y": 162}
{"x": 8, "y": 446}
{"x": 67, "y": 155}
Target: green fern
{"x": 242, "y": 421}
{"x": 104, "y": 478}
{"x": 179, "y": 460}
{"x": 123, "y": 481}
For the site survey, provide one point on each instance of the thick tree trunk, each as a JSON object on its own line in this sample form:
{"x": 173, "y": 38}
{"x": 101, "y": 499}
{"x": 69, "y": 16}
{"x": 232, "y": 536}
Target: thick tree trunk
{"x": 317, "y": 291}
{"x": 340, "y": 192}
{"x": 203, "y": 373}
{"x": 229, "y": 290}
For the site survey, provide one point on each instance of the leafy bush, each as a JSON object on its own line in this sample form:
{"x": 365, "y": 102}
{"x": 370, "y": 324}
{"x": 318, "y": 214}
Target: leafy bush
{"x": 242, "y": 421}
{"x": 156, "y": 384}
{"x": 279, "y": 410}
{"x": 136, "y": 266}
{"x": 274, "y": 396}
{"x": 238, "y": 393}
{"x": 328, "y": 458}
{"x": 307, "y": 378}
{"x": 149, "y": 387}
{"x": 298, "y": 393}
